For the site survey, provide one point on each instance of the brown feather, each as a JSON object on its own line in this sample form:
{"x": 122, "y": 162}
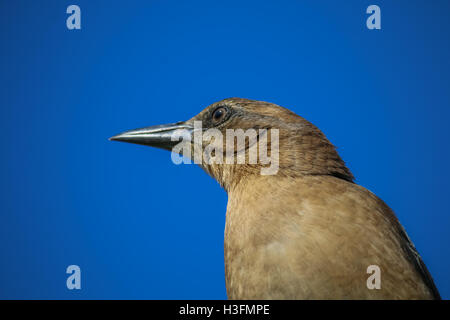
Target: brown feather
{"x": 308, "y": 232}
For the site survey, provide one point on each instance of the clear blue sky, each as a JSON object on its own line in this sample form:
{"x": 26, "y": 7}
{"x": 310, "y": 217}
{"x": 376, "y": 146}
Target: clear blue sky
{"x": 140, "y": 226}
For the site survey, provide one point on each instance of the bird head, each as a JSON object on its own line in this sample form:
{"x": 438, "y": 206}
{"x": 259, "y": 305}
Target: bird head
{"x": 238, "y": 138}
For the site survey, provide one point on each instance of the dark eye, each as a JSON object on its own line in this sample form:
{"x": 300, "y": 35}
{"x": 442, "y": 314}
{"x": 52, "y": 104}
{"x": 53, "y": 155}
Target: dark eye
{"x": 219, "y": 114}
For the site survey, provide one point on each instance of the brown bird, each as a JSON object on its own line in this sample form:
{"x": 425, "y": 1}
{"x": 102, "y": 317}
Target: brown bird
{"x": 306, "y": 231}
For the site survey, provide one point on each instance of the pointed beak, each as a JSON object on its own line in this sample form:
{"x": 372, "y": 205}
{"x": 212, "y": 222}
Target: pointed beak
{"x": 164, "y": 136}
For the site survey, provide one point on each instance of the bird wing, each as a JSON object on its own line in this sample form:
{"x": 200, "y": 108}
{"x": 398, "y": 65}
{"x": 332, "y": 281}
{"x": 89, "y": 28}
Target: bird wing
{"x": 409, "y": 248}
{"x": 417, "y": 261}
{"x": 313, "y": 238}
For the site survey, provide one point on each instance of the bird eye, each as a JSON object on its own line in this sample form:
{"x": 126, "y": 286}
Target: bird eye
{"x": 219, "y": 114}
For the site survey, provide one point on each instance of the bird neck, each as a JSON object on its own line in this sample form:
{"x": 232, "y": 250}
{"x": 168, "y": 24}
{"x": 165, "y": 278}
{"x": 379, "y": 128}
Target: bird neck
{"x": 308, "y": 154}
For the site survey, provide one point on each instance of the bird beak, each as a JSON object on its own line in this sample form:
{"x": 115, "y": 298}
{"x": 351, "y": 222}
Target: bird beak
{"x": 164, "y": 136}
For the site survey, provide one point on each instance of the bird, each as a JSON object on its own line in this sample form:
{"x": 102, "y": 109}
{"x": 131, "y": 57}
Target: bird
{"x": 306, "y": 231}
